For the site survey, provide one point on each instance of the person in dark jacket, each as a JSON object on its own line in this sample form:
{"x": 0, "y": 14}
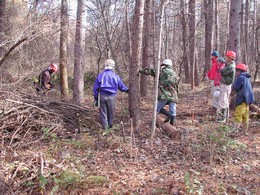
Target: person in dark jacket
{"x": 167, "y": 89}
{"x": 44, "y": 80}
{"x": 105, "y": 89}
{"x": 244, "y": 96}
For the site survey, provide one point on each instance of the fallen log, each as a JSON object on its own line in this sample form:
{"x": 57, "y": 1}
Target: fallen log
{"x": 255, "y": 108}
{"x": 170, "y": 130}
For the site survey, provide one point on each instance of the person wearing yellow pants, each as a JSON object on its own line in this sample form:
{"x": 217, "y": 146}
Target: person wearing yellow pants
{"x": 241, "y": 116}
{"x": 244, "y": 97}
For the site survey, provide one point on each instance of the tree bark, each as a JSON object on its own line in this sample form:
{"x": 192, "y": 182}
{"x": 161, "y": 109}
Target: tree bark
{"x": 78, "y": 82}
{"x": 134, "y": 81}
{"x": 63, "y": 50}
{"x": 208, "y": 4}
{"x": 234, "y": 28}
{"x": 192, "y": 33}
{"x": 2, "y": 14}
{"x": 147, "y": 46}
{"x": 162, "y": 6}
{"x": 184, "y": 43}
{"x": 216, "y": 26}
{"x": 234, "y": 36}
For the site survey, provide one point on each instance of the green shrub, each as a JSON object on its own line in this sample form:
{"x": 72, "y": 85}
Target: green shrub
{"x": 68, "y": 179}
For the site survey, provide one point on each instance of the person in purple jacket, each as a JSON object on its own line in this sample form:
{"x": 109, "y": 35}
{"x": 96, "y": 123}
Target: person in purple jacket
{"x": 105, "y": 89}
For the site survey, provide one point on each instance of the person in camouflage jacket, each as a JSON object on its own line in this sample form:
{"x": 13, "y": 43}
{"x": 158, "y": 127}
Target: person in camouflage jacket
{"x": 167, "y": 89}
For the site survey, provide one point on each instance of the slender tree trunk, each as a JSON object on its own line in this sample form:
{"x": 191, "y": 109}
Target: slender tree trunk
{"x": 227, "y": 22}
{"x": 184, "y": 43}
{"x": 2, "y": 13}
{"x": 63, "y": 50}
{"x": 147, "y": 46}
{"x": 163, "y": 4}
{"x": 208, "y": 4}
{"x": 242, "y": 35}
{"x": 234, "y": 35}
{"x": 192, "y": 34}
{"x": 134, "y": 81}
{"x": 128, "y": 32}
{"x": 234, "y": 28}
{"x": 78, "y": 82}
{"x": 197, "y": 80}
{"x": 246, "y": 25}
{"x": 216, "y": 26}
{"x": 166, "y": 38}
{"x": 2, "y": 23}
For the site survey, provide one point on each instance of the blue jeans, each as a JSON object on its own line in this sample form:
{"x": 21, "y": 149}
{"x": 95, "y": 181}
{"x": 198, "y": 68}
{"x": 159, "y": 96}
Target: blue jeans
{"x": 107, "y": 108}
{"x": 172, "y": 106}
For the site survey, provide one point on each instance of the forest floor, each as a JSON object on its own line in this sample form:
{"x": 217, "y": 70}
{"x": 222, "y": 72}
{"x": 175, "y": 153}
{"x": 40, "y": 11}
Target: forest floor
{"x": 54, "y": 147}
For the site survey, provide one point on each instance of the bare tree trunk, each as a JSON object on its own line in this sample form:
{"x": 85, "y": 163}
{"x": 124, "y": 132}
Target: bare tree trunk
{"x": 242, "y": 37}
{"x": 147, "y": 46}
{"x": 134, "y": 81}
{"x": 257, "y": 54}
{"x": 208, "y": 4}
{"x": 2, "y": 13}
{"x": 2, "y": 23}
{"x": 163, "y": 4}
{"x": 184, "y": 43}
{"x": 166, "y": 38}
{"x": 227, "y": 22}
{"x": 256, "y": 40}
{"x": 128, "y": 33}
{"x": 216, "y": 26}
{"x": 197, "y": 80}
{"x": 246, "y": 37}
{"x": 78, "y": 82}
{"x": 192, "y": 33}
{"x": 63, "y": 50}
{"x": 234, "y": 36}
{"x": 234, "y": 28}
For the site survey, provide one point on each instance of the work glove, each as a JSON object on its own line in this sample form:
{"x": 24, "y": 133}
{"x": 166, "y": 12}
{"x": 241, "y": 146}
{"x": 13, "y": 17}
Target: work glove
{"x": 95, "y": 103}
{"x": 48, "y": 86}
{"x": 144, "y": 71}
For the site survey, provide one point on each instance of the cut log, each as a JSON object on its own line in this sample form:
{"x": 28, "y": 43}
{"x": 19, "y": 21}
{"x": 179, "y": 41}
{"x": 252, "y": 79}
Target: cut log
{"x": 170, "y": 130}
{"x": 255, "y": 108}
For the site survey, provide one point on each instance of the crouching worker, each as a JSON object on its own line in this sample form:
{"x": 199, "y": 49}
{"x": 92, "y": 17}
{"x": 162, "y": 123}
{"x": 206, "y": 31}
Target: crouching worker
{"x": 105, "y": 89}
{"x": 167, "y": 89}
{"x": 44, "y": 80}
{"x": 244, "y": 97}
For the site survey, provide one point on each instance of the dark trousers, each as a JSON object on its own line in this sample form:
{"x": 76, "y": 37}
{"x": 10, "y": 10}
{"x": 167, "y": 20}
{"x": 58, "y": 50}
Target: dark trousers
{"x": 107, "y": 108}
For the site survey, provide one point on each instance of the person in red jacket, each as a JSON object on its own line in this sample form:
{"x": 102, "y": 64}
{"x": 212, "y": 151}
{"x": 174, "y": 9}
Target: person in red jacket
{"x": 220, "y": 65}
{"x": 211, "y": 74}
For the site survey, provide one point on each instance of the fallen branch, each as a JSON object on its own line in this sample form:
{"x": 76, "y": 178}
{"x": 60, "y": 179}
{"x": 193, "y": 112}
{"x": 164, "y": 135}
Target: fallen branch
{"x": 11, "y": 49}
{"x": 33, "y": 106}
{"x": 170, "y": 130}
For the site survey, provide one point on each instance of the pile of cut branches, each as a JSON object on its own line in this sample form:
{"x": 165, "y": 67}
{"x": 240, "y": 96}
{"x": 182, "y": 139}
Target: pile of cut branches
{"x": 24, "y": 120}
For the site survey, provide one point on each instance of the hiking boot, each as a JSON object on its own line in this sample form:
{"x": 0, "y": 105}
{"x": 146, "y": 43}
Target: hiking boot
{"x": 172, "y": 120}
{"x": 170, "y": 117}
{"x": 163, "y": 111}
{"x": 223, "y": 115}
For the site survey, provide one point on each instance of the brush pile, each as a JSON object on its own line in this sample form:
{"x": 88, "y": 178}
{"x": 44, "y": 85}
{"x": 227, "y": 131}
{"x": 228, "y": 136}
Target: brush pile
{"x": 27, "y": 119}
